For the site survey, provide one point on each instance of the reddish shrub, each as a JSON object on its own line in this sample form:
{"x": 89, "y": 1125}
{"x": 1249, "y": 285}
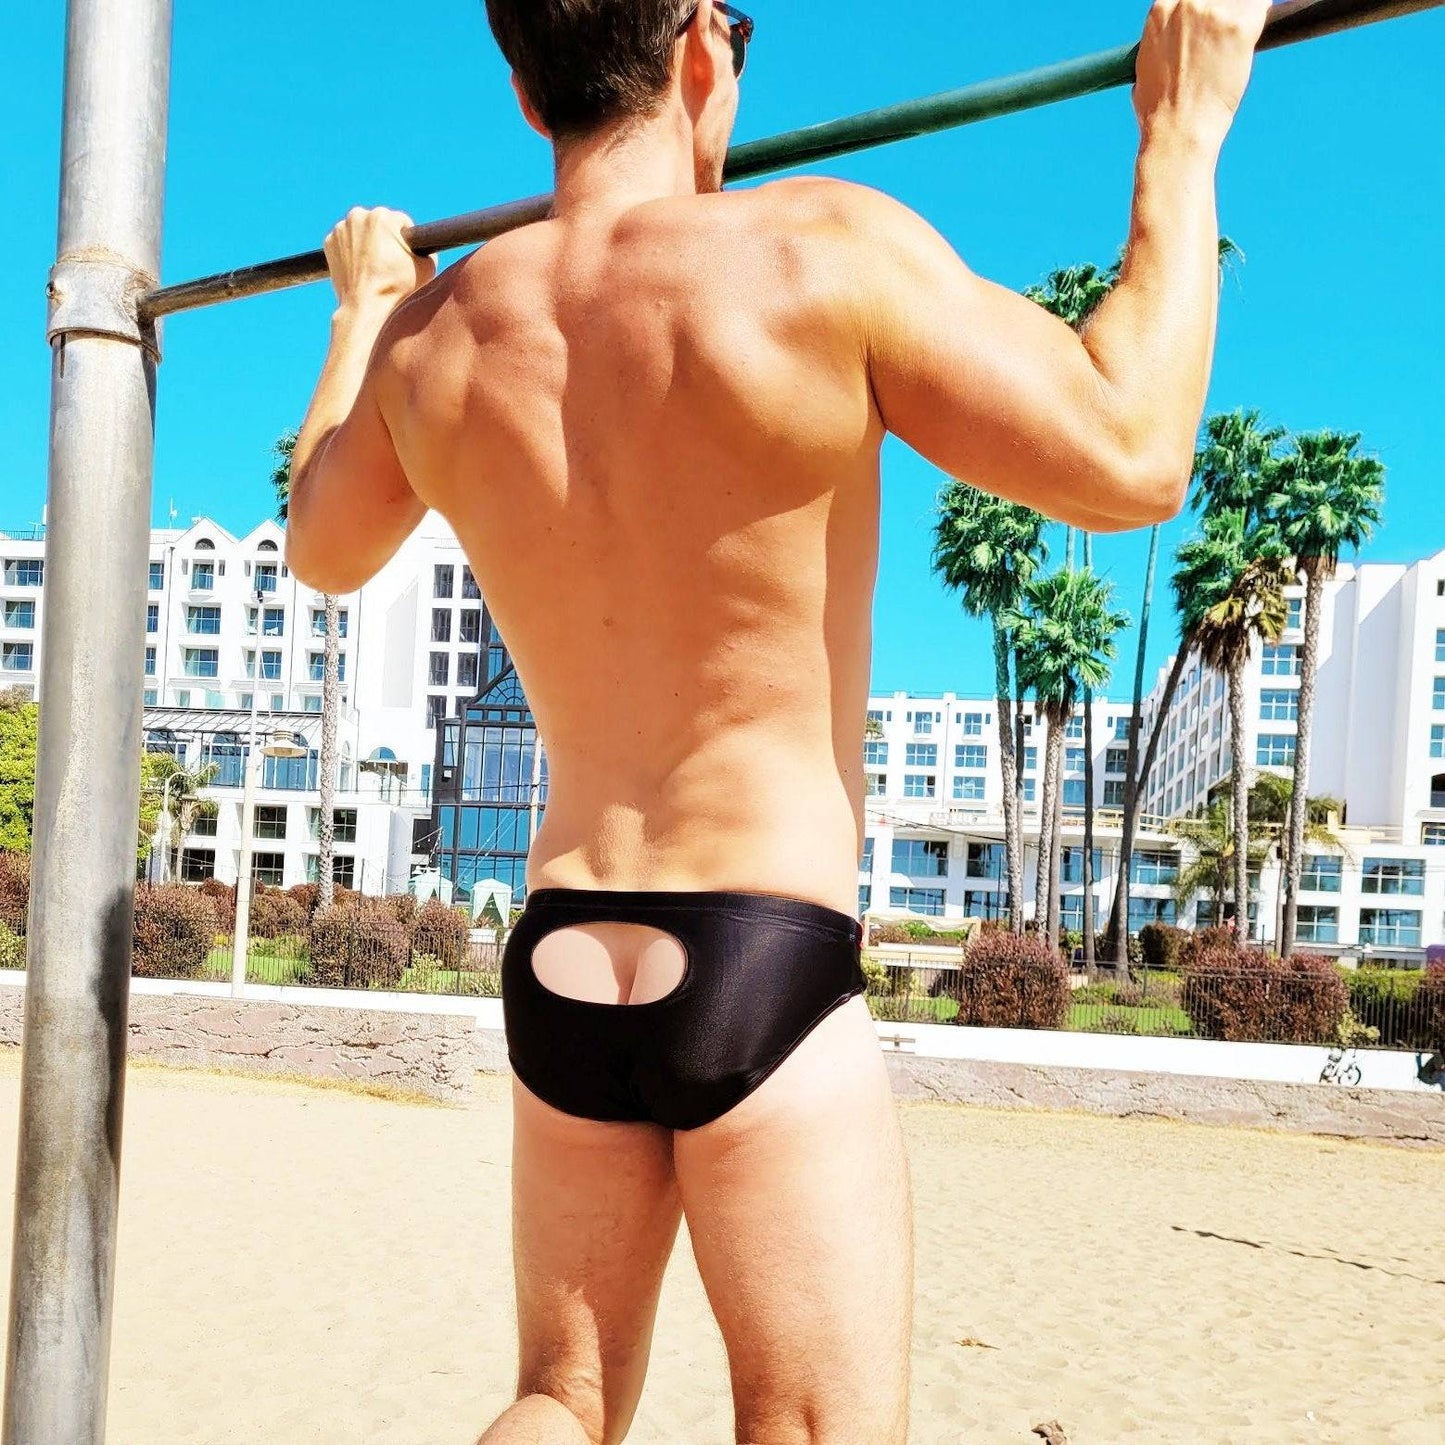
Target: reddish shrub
{"x": 305, "y": 896}
{"x": 1162, "y": 946}
{"x": 275, "y": 914}
{"x": 14, "y": 890}
{"x": 441, "y": 932}
{"x": 223, "y": 900}
{"x": 174, "y": 929}
{"x": 402, "y": 907}
{"x": 357, "y": 947}
{"x": 1010, "y": 982}
{"x": 1242, "y": 995}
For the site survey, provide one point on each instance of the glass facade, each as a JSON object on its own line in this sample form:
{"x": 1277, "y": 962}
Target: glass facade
{"x": 921, "y": 755}
{"x": 1390, "y": 927}
{"x": 875, "y": 753}
{"x": 927, "y": 901}
{"x": 1393, "y": 875}
{"x": 1278, "y": 704}
{"x": 489, "y": 780}
{"x": 973, "y": 756}
{"x": 1318, "y": 923}
{"x": 20, "y": 615}
{"x": 1321, "y": 874}
{"x": 970, "y": 788}
{"x": 920, "y": 857}
{"x": 1275, "y": 750}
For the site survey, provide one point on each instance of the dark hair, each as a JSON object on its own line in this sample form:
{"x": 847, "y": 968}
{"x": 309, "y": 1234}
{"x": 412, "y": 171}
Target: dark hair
{"x": 583, "y": 63}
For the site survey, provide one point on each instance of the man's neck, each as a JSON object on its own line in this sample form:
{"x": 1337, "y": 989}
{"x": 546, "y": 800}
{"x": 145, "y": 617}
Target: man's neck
{"x": 625, "y": 166}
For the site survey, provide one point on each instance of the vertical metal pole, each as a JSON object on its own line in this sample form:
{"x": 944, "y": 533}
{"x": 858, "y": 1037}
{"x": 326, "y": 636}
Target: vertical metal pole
{"x": 241, "y": 933}
{"x": 87, "y": 794}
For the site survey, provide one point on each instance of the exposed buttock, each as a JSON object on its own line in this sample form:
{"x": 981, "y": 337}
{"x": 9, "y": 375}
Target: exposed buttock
{"x": 668, "y": 1007}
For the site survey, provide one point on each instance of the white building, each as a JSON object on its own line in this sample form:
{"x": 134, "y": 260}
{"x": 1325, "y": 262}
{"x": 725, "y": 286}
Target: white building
{"x": 224, "y": 619}
{"x": 1378, "y": 746}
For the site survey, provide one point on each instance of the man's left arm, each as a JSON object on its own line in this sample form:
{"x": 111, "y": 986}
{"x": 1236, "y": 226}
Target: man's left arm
{"x": 351, "y": 505}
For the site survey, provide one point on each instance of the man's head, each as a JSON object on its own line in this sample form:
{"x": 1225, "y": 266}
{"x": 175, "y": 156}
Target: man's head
{"x": 581, "y": 66}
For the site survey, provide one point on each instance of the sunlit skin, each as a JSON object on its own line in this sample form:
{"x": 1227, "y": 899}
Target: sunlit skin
{"x": 654, "y": 421}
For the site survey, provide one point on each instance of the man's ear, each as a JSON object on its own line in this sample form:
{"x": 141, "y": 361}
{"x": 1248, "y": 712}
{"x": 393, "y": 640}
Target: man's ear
{"x": 529, "y": 110}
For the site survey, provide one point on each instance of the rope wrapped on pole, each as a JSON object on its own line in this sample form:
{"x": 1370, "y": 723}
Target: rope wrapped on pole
{"x": 1288, "y": 24}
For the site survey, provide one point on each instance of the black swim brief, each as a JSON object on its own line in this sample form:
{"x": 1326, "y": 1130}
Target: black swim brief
{"x": 762, "y": 972}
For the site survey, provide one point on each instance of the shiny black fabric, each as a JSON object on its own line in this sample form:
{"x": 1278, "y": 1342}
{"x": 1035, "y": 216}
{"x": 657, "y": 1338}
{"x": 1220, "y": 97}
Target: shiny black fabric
{"x": 762, "y": 971}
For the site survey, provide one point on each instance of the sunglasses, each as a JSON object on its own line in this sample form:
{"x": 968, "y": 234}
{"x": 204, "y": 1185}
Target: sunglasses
{"x": 740, "y": 31}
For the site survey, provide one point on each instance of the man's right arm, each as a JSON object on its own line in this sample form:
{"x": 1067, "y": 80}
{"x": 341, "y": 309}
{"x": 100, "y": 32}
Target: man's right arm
{"x": 1097, "y": 430}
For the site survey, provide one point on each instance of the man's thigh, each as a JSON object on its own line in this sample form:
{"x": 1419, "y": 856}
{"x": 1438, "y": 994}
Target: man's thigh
{"x": 595, "y": 1212}
{"x": 799, "y": 1209}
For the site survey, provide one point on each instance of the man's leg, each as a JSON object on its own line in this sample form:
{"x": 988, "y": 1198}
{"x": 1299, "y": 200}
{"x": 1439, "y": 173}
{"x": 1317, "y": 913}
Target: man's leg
{"x": 595, "y": 1212}
{"x": 799, "y": 1209}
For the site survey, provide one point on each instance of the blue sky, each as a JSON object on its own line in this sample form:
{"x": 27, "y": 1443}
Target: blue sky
{"x": 1333, "y": 184}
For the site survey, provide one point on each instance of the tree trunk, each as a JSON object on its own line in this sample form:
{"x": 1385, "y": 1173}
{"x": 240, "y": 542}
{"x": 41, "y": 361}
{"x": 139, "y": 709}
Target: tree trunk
{"x": 1134, "y": 797}
{"x": 1239, "y": 781}
{"x": 1056, "y": 834}
{"x": 330, "y": 702}
{"x": 1042, "y": 916}
{"x": 1089, "y": 960}
{"x": 1008, "y": 767}
{"x": 1314, "y": 571}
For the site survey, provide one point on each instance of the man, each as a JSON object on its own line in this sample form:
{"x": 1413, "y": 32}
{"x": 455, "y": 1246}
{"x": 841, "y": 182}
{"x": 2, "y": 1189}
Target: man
{"x": 654, "y": 421}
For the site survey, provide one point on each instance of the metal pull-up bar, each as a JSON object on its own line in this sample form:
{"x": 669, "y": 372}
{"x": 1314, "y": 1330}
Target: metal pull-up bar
{"x": 1288, "y": 23}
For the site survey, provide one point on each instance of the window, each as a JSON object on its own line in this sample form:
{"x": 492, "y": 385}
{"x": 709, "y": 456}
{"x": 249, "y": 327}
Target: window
{"x": 1318, "y": 923}
{"x": 1031, "y": 759}
{"x": 290, "y": 775}
{"x": 1073, "y": 792}
{"x": 1280, "y": 660}
{"x": 441, "y": 624}
{"x": 467, "y": 669}
{"x": 264, "y": 577}
{"x": 343, "y": 824}
{"x": 318, "y": 622}
{"x": 270, "y": 822}
{"x": 865, "y": 898}
{"x": 311, "y": 703}
{"x": 1031, "y": 790}
{"x": 1073, "y": 760}
{"x": 204, "y": 826}
{"x": 157, "y": 579}
{"x": 270, "y": 668}
{"x": 150, "y": 670}
{"x": 273, "y": 622}
{"x": 1321, "y": 874}
{"x": 203, "y": 576}
{"x": 24, "y": 572}
{"x": 1279, "y": 704}
{"x": 1437, "y": 791}
{"x": 1275, "y": 750}
{"x": 1122, "y": 729}
{"x": 1114, "y": 794}
{"x": 927, "y": 901}
{"x": 204, "y": 544}
{"x": 921, "y": 755}
{"x": 986, "y": 860}
{"x": 1156, "y": 866}
{"x": 436, "y": 710}
{"x": 1390, "y": 927}
{"x": 204, "y": 620}
{"x": 1437, "y": 741}
{"x": 316, "y": 666}
{"x": 1437, "y": 700}
{"x": 439, "y": 669}
{"x": 443, "y": 581}
{"x": 1116, "y": 760}
{"x": 970, "y": 788}
{"x": 874, "y": 785}
{"x": 1432, "y": 835}
{"x": 153, "y": 618}
{"x": 875, "y": 753}
{"x": 973, "y": 756}
{"x": 1393, "y": 875}
{"x": 1295, "y": 620}
{"x": 1440, "y": 644}
{"x": 923, "y": 722}
{"x": 920, "y": 785}
{"x": 228, "y": 758}
{"x": 183, "y": 697}
{"x": 876, "y": 716}
{"x": 1072, "y": 864}
{"x": 1151, "y": 910}
{"x": 17, "y": 657}
{"x": 197, "y": 864}
{"x": 469, "y": 585}
{"x": 866, "y": 865}
{"x": 921, "y": 857}
{"x": 981, "y": 904}
{"x": 20, "y": 616}
{"x": 470, "y": 629}
{"x": 1074, "y": 728}
{"x": 201, "y": 661}
{"x": 268, "y": 868}
{"x": 973, "y": 724}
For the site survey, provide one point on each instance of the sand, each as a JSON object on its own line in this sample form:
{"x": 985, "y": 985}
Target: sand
{"x": 300, "y": 1264}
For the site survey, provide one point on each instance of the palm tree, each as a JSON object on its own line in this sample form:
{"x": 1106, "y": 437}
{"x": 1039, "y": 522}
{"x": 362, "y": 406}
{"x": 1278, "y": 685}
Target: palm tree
{"x": 1230, "y": 590}
{"x": 1327, "y": 497}
{"x": 987, "y": 550}
{"x": 170, "y": 789}
{"x": 1064, "y": 640}
{"x": 1233, "y": 471}
{"x": 1212, "y": 838}
{"x": 330, "y": 696}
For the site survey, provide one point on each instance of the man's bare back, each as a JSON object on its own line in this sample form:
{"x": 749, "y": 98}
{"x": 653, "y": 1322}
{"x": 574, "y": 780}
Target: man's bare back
{"x": 655, "y": 437}
{"x": 654, "y": 422}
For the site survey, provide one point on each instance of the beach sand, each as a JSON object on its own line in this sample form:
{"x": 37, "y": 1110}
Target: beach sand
{"x": 300, "y": 1264}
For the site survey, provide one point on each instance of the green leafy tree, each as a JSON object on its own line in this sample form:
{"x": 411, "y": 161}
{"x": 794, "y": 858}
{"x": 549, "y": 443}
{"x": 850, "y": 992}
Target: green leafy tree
{"x": 330, "y": 696}
{"x": 1230, "y": 590}
{"x": 168, "y": 785}
{"x": 1327, "y": 498}
{"x": 1064, "y": 634}
{"x": 988, "y": 550}
{"x": 19, "y": 736}
{"x": 1212, "y": 867}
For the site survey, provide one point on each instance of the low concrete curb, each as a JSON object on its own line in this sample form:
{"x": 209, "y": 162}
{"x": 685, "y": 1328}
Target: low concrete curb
{"x": 1383, "y": 1114}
